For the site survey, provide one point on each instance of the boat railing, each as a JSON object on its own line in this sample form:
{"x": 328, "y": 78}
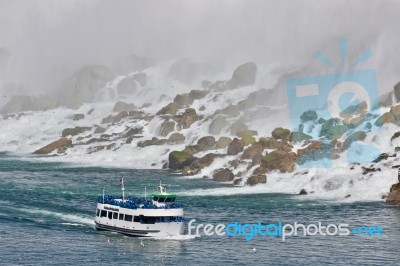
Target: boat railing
{"x": 134, "y": 203}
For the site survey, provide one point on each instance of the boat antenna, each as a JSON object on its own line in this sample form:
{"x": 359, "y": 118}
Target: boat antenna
{"x": 103, "y": 195}
{"x": 145, "y": 193}
{"x": 123, "y": 189}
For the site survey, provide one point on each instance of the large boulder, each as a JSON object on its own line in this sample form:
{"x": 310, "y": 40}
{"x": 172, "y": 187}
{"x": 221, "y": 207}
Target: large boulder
{"x": 299, "y": 137}
{"x": 207, "y": 141}
{"x": 187, "y": 118}
{"x": 393, "y": 116}
{"x": 222, "y": 142}
{"x": 166, "y": 128}
{"x": 152, "y": 142}
{"x": 122, "y": 106}
{"x": 177, "y": 160}
{"x": 116, "y": 118}
{"x": 244, "y": 75}
{"x": 176, "y": 138}
{"x": 60, "y": 145}
{"x": 84, "y": 84}
{"x": 255, "y": 149}
{"x": 247, "y": 137}
{"x": 309, "y": 116}
{"x": 356, "y": 136}
{"x": 235, "y": 147}
{"x": 217, "y": 125}
{"x": 274, "y": 144}
{"x": 238, "y": 128}
{"x": 281, "y": 133}
{"x": 256, "y": 179}
{"x": 314, "y": 152}
{"x": 197, "y": 94}
{"x": 279, "y": 160}
{"x": 74, "y": 131}
{"x": 183, "y": 99}
{"x": 170, "y": 109}
{"x": 230, "y": 111}
{"x": 204, "y": 161}
{"x": 394, "y": 195}
{"x": 331, "y": 129}
{"x": 223, "y": 175}
{"x": 77, "y": 117}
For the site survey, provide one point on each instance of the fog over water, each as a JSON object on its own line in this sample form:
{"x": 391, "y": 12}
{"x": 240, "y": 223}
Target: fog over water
{"x": 42, "y": 42}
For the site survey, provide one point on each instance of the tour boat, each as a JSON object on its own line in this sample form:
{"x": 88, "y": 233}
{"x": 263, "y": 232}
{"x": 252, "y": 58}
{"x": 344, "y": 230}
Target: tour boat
{"x": 159, "y": 216}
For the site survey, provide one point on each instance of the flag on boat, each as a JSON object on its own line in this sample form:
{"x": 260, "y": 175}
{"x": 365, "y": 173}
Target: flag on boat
{"x": 120, "y": 183}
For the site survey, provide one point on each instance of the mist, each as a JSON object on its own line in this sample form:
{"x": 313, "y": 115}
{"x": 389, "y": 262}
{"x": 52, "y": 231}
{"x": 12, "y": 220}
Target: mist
{"x": 44, "y": 41}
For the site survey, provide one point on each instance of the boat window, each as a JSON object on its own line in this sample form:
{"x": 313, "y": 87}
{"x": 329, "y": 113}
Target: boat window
{"x": 115, "y": 216}
{"x": 136, "y": 219}
{"x": 121, "y": 216}
{"x": 160, "y": 200}
{"x": 149, "y": 220}
{"x": 97, "y": 212}
{"x": 168, "y": 200}
{"x": 110, "y": 215}
{"x": 103, "y": 213}
{"x": 128, "y": 218}
{"x": 155, "y": 198}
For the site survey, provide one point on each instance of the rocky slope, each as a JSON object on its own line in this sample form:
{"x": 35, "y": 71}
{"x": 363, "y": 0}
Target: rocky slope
{"x": 228, "y": 131}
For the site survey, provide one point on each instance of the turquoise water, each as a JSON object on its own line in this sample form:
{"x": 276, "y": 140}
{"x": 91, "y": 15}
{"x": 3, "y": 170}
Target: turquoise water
{"x": 46, "y": 213}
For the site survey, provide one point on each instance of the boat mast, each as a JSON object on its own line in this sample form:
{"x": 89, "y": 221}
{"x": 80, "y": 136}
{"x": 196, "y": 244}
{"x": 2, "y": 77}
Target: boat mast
{"x": 123, "y": 189}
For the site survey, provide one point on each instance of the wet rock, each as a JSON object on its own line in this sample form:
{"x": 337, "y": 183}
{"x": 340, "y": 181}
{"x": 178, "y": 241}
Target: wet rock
{"x": 235, "y": 147}
{"x": 309, "y": 116}
{"x": 256, "y": 179}
{"x": 314, "y": 152}
{"x": 279, "y": 160}
{"x": 281, "y": 133}
{"x": 230, "y": 111}
{"x": 238, "y": 128}
{"x": 183, "y": 99}
{"x": 386, "y": 100}
{"x": 60, "y": 145}
{"x": 347, "y": 196}
{"x": 208, "y": 141}
{"x": 261, "y": 170}
{"x": 177, "y": 160}
{"x": 176, "y": 138}
{"x": 256, "y": 159}
{"x": 303, "y": 192}
{"x": 223, "y": 142}
{"x": 90, "y": 111}
{"x": 383, "y": 156}
{"x": 393, "y": 197}
{"x": 122, "y": 106}
{"x": 299, "y": 137}
{"x": 116, "y": 118}
{"x": 129, "y": 140}
{"x": 135, "y": 114}
{"x": 188, "y": 171}
{"x": 393, "y": 117}
{"x": 356, "y": 136}
{"x": 133, "y": 131}
{"x": 74, "y": 131}
{"x": 193, "y": 149}
{"x": 223, "y": 175}
{"x": 99, "y": 130}
{"x": 366, "y": 170}
{"x": 204, "y": 161}
{"x": 170, "y": 109}
{"x": 244, "y": 75}
{"x": 77, "y": 117}
{"x": 166, "y": 128}
{"x": 274, "y": 144}
{"x": 152, "y": 142}
{"x": 255, "y": 149}
{"x": 237, "y": 181}
{"x": 187, "y": 118}
{"x": 217, "y": 125}
{"x": 197, "y": 94}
